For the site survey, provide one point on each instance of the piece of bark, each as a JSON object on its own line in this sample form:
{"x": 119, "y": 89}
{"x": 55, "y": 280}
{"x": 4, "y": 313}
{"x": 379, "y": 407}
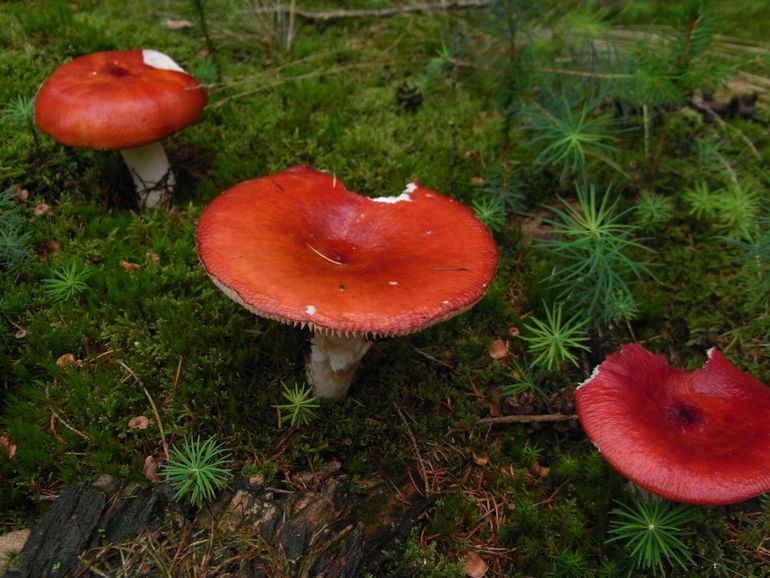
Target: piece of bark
{"x": 324, "y": 528}
{"x": 61, "y": 534}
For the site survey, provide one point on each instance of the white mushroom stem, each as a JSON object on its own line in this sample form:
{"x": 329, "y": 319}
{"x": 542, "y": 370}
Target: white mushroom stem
{"x": 333, "y": 362}
{"x": 149, "y": 167}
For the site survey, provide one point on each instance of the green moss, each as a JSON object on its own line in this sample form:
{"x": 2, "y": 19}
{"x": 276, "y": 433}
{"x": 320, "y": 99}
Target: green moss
{"x": 150, "y": 319}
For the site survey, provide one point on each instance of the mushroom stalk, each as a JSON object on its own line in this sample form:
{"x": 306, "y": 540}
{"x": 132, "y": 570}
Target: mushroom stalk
{"x": 150, "y": 169}
{"x": 333, "y": 362}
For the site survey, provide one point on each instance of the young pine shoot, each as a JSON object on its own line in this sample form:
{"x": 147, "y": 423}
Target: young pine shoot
{"x": 15, "y": 238}
{"x": 652, "y": 210}
{"x": 20, "y": 112}
{"x": 490, "y": 211}
{"x": 571, "y": 137}
{"x": 702, "y": 202}
{"x": 550, "y": 340}
{"x": 67, "y": 282}
{"x": 300, "y": 407}
{"x": 595, "y": 257}
{"x": 196, "y": 470}
{"x": 651, "y": 531}
{"x": 526, "y": 379}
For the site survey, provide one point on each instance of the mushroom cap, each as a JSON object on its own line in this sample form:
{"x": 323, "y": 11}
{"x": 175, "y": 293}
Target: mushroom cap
{"x": 699, "y": 437}
{"x": 117, "y": 99}
{"x": 299, "y": 248}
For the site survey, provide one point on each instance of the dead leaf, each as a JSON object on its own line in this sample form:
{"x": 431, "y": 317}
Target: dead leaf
{"x": 480, "y": 458}
{"x": 540, "y": 471}
{"x": 474, "y": 566}
{"x": 48, "y": 247}
{"x": 128, "y": 266}
{"x": 173, "y": 24}
{"x": 138, "y": 422}
{"x": 8, "y": 446}
{"x": 150, "y": 469}
{"x": 152, "y": 257}
{"x": 477, "y": 181}
{"x": 68, "y": 360}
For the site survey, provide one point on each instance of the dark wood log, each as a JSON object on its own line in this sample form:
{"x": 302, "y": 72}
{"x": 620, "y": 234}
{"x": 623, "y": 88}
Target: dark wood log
{"x": 314, "y": 525}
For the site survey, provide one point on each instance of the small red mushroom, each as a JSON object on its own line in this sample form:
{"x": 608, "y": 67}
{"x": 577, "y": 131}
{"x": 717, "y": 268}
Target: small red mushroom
{"x": 127, "y": 100}
{"x": 698, "y": 437}
{"x": 298, "y": 247}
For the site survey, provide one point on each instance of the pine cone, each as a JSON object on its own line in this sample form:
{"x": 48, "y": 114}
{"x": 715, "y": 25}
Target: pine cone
{"x": 409, "y": 97}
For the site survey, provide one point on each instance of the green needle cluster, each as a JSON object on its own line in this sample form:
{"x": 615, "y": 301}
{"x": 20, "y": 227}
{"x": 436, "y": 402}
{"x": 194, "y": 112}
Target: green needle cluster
{"x": 67, "y": 282}
{"x": 300, "y": 407}
{"x": 550, "y": 340}
{"x": 651, "y": 531}
{"x": 196, "y": 470}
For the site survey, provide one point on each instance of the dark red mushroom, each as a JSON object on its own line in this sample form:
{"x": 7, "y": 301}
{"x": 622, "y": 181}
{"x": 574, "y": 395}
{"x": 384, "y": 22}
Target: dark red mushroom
{"x": 699, "y": 437}
{"x": 299, "y": 248}
{"x": 127, "y": 100}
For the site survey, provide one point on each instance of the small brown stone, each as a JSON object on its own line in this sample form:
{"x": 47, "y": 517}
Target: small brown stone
{"x": 497, "y": 349}
{"x": 10, "y": 545}
{"x": 68, "y": 360}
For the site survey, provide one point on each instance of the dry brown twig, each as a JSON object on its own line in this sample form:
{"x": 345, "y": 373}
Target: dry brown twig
{"x": 152, "y": 404}
{"x": 526, "y": 418}
{"x": 418, "y": 455}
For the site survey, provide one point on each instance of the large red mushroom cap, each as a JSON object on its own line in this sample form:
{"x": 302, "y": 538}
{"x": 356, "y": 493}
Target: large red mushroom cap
{"x": 699, "y": 437}
{"x": 117, "y": 100}
{"x": 298, "y": 247}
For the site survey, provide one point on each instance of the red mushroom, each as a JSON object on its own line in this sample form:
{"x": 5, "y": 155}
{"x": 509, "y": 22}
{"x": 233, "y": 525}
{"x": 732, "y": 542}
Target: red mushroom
{"x": 699, "y": 437}
{"x": 127, "y": 100}
{"x": 299, "y": 248}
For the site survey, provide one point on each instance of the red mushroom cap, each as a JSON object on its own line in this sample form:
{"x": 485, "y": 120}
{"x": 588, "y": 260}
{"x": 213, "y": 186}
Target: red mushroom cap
{"x": 115, "y": 100}
{"x": 699, "y": 437}
{"x": 298, "y": 247}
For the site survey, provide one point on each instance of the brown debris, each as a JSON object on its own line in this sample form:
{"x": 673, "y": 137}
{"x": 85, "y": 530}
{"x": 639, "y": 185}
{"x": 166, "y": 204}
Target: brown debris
{"x": 138, "y": 422}
{"x": 128, "y": 266}
{"x": 498, "y": 349}
{"x": 474, "y": 566}
{"x": 68, "y": 360}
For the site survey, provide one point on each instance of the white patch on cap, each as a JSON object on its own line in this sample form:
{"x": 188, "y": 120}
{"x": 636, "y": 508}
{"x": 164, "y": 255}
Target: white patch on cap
{"x": 393, "y": 283}
{"x": 405, "y": 196}
{"x": 159, "y": 60}
{"x": 445, "y": 302}
{"x": 594, "y": 373}
{"x": 310, "y": 309}
{"x": 392, "y": 200}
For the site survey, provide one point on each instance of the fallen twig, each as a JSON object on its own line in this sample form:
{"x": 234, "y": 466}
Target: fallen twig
{"x": 152, "y": 404}
{"x": 418, "y": 455}
{"x": 77, "y": 432}
{"x": 526, "y": 418}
